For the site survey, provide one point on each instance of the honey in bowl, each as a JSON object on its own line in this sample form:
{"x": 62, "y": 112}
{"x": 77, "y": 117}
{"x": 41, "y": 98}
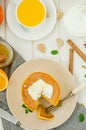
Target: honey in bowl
{"x": 4, "y": 50}
{"x": 30, "y": 13}
{"x": 6, "y": 54}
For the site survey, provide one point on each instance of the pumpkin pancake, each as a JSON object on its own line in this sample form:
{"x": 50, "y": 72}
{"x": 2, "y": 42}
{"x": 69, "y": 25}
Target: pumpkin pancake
{"x": 33, "y": 78}
{"x": 42, "y": 114}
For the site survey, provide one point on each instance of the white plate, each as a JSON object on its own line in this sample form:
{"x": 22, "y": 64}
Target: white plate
{"x": 14, "y": 98}
{"x": 38, "y": 32}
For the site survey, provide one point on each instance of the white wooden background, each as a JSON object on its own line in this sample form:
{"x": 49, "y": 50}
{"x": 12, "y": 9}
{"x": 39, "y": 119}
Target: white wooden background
{"x": 28, "y": 49}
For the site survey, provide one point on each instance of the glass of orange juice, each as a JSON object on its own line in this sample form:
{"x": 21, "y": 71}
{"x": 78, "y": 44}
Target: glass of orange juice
{"x": 30, "y": 13}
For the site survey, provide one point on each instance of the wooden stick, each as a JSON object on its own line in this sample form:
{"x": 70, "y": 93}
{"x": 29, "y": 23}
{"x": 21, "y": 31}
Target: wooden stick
{"x": 74, "y": 47}
{"x": 71, "y": 60}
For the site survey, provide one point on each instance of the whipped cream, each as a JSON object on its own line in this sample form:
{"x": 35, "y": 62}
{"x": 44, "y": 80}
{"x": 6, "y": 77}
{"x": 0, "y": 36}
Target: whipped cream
{"x": 39, "y": 88}
{"x": 75, "y": 20}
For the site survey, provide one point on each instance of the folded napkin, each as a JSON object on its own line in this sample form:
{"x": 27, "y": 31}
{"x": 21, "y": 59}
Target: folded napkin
{"x": 17, "y": 61}
{"x": 71, "y": 124}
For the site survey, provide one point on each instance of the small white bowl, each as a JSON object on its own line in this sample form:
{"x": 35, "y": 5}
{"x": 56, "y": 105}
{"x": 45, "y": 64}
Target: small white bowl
{"x": 10, "y": 55}
{"x": 75, "y": 20}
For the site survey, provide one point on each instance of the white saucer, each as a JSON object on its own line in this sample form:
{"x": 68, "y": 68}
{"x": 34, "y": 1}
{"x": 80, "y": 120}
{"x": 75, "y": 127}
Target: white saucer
{"x": 33, "y": 34}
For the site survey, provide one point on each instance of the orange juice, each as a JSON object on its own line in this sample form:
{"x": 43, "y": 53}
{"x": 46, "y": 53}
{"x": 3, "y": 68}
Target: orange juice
{"x": 31, "y": 13}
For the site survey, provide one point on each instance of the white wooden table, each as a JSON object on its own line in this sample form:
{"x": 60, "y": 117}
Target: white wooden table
{"x": 28, "y": 49}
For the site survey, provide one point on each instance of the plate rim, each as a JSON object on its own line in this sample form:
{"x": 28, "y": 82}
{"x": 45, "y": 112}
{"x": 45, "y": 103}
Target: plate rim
{"x": 76, "y": 96}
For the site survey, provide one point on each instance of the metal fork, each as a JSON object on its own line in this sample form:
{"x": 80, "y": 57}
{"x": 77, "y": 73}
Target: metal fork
{"x": 72, "y": 93}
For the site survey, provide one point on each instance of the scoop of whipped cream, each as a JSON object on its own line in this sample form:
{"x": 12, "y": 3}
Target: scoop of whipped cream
{"x": 75, "y": 20}
{"x": 39, "y": 88}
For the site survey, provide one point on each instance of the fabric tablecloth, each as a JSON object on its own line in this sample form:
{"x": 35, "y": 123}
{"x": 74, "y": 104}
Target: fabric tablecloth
{"x": 71, "y": 124}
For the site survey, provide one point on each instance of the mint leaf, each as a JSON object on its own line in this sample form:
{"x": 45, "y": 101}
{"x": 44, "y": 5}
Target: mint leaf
{"x": 81, "y": 117}
{"x": 85, "y": 75}
{"x": 26, "y": 109}
{"x": 54, "y": 52}
{"x": 30, "y": 110}
{"x": 23, "y": 105}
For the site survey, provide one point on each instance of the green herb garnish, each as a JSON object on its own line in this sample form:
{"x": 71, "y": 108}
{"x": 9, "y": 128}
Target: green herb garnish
{"x": 85, "y": 75}
{"x": 83, "y": 66}
{"x": 23, "y": 105}
{"x": 54, "y": 52}
{"x": 26, "y": 109}
{"x": 30, "y": 110}
{"x": 81, "y": 117}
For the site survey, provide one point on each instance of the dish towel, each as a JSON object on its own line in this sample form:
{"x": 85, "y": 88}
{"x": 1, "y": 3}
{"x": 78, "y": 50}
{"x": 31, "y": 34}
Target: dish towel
{"x": 71, "y": 124}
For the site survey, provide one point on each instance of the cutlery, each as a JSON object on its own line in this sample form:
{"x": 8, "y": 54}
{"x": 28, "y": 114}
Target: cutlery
{"x": 7, "y": 116}
{"x": 70, "y": 94}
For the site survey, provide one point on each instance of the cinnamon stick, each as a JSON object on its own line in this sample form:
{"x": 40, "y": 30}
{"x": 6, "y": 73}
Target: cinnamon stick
{"x": 71, "y": 60}
{"x": 74, "y": 47}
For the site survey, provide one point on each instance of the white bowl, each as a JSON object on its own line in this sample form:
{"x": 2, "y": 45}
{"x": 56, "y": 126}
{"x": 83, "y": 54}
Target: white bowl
{"x": 75, "y": 20}
{"x": 10, "y": 56}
